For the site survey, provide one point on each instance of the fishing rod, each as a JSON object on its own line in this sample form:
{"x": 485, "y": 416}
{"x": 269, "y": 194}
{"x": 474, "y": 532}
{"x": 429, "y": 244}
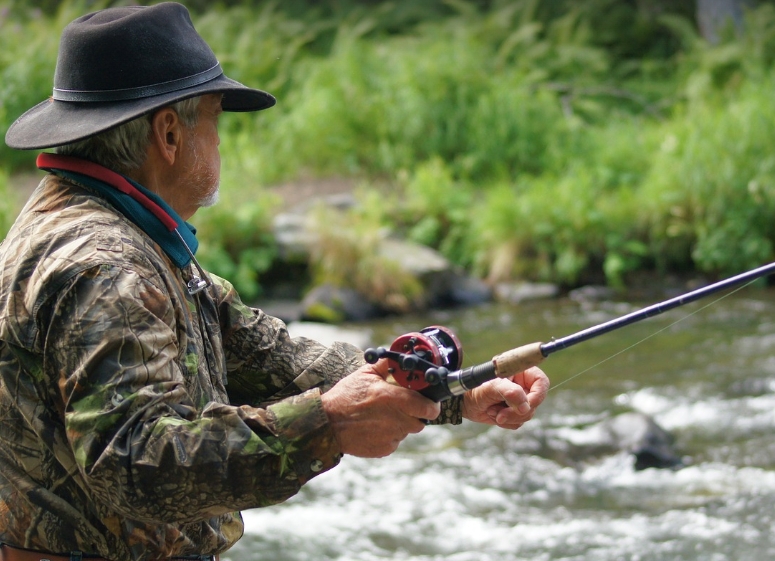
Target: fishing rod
{"x": 429, "y": 360}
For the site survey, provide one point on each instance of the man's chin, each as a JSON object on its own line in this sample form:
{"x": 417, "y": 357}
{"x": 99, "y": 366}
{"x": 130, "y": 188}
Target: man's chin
{"x": 210, "y": 200}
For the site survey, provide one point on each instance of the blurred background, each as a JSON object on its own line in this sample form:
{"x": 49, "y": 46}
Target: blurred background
{"x": 626, "y": 146}
{"x": 559, "y": 141}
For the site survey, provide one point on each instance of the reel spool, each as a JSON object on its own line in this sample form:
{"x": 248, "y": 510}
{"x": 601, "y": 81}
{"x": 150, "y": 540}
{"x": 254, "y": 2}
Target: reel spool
{"x": 412, "y": 354}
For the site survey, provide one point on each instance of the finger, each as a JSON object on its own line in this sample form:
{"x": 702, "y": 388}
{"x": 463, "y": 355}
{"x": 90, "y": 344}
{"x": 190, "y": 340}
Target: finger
{"x": 537, "y": 385}
{"x": 515, "y": 410}
{"x": 399, "y": 430}
{"x": 383, "y": 450}
{"x": 414, "y": 404}
{"x": 416, "y": 425}
{"x": 411, "y": 402}
{"x": 510, "y": 425}
{"x": 508, "y": 417}
{"x": 512, "y": 394}
{"x": 380, "y": 368}
{"x": 505, "y": 417}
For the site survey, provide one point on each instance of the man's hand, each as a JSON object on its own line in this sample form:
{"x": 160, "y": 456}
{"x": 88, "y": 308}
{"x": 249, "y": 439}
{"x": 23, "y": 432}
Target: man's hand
{"x": 507, "y": 402}
{"x": 370, "y": 416}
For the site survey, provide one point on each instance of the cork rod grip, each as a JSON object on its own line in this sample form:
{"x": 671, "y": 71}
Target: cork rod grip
{"x": 518, "y": 360}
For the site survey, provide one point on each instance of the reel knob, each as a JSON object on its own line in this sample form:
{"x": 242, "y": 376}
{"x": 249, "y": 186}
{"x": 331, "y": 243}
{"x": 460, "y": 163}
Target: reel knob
{"x": 373, "y": 355}
{"x": 434, "y": 376}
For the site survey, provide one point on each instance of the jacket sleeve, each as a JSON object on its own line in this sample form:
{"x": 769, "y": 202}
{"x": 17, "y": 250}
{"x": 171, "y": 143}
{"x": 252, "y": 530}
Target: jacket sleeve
{"x": 147, "y": 447}
{"x": 264, "y": 363}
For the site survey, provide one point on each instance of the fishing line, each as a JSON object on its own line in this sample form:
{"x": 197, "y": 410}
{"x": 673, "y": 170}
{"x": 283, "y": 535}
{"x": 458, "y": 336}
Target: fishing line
{"x": 698, "y": 310}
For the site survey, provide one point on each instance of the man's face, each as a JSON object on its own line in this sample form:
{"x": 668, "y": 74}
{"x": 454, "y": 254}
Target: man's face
{"x": 204, "y": 160}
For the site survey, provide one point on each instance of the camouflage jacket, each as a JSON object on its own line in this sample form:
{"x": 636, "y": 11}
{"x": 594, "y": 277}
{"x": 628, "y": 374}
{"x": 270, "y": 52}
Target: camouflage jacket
{"x": 136, "y": 421}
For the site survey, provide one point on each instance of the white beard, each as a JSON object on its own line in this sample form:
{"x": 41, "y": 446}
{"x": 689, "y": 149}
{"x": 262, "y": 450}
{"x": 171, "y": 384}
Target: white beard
{"x": 212, "y": 198}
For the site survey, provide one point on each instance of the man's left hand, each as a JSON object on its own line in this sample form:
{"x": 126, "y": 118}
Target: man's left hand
{"x": 507, "y": 402}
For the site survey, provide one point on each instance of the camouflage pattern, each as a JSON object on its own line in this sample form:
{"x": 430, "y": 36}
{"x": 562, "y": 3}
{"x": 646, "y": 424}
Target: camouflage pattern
{"x": 136, "y": 421}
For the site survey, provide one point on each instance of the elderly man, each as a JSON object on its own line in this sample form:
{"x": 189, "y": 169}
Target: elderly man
{"x": 142, "y": 404}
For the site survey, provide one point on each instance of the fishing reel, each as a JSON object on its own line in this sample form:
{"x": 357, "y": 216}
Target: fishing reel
{"x": 422, "y": 361}
{"x": 429, "y": 362}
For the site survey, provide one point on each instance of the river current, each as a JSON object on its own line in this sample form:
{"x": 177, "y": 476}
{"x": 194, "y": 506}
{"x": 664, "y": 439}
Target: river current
{"x": 704, "y": 372}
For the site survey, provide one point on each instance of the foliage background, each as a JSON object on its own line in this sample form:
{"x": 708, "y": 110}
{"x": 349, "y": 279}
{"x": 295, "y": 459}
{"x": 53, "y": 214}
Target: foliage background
{"x": 555, "y": 140}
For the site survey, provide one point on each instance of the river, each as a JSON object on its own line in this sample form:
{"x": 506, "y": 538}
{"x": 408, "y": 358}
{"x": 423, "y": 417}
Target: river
{"x": 705, "y": 373}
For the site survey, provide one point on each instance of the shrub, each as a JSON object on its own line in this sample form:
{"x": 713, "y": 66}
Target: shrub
{"x": 712, "y": 185}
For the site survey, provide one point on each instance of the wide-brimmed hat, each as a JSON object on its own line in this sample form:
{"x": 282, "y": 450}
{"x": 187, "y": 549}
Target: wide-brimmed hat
{"x": 117, "y": 64}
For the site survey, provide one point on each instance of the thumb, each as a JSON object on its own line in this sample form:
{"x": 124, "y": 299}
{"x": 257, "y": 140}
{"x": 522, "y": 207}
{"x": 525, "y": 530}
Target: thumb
{"x": 381, "y": 368}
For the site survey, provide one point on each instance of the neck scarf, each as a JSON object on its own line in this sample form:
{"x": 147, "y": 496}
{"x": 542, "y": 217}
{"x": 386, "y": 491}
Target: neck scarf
{"x": 144, "y": 208}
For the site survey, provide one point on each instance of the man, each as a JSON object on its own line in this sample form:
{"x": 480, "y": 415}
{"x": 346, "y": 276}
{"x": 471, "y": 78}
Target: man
{"x": 142, "y": 405}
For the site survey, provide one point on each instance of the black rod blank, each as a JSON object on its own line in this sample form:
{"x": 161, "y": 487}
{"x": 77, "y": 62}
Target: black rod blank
{"x": 653, "y": 310}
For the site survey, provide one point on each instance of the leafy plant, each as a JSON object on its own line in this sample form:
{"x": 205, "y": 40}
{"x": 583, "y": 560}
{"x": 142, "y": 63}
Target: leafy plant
{"x": 712, "y": 186}
{"x": 236, "y": 241}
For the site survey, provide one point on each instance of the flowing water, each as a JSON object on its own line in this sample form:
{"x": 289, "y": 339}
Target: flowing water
{"x": 476, "y": 493}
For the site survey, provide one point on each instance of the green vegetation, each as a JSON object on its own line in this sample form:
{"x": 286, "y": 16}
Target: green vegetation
{"x": 547, "y": 140}
{"x": 347, "y": 253}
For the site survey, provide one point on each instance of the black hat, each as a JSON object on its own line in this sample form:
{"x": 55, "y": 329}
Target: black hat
{"x": 117, "y": 64}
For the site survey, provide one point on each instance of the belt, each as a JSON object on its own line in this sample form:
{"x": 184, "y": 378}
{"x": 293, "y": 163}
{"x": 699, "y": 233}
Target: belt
{"x": 10, "y": 553}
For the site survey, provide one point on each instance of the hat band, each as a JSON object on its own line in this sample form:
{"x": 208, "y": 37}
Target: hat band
{"x": 127, "y": 94}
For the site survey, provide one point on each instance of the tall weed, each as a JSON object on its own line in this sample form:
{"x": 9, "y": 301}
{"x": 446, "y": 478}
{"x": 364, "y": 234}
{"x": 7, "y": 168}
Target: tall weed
{"x": 711, "y": 190}
{"x": 567, "y": 227}
{"x": 236, "y": 240}
{"x": 434, "y": 209}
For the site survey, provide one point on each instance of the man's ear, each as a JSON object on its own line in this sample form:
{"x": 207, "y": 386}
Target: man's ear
{"x": 166, "y": 134}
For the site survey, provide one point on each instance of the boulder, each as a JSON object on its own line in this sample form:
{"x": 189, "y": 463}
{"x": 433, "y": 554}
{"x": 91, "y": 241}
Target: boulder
{"x": 334, "y": 304}
{"x": 638, "y": 434}
{"x": 517, "y": 292}
{"x": 292, "y": 230}
{"x": 632, "y": 432}
{"x": 443, "y": 284}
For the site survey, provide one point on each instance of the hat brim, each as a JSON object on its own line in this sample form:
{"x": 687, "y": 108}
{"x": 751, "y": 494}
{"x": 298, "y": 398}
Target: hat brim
{"x": 55, "y": 123}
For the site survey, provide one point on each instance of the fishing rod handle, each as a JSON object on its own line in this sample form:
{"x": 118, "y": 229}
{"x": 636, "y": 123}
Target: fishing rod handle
{"x": 450, "y": 384}
{"x": 518, "y": 360}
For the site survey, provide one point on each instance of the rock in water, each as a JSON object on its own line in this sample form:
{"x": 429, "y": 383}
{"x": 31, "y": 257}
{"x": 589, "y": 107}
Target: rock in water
{"x": 640, "y": 435}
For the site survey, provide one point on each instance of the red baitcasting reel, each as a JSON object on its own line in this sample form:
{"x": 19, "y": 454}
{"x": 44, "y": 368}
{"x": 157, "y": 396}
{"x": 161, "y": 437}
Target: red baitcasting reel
{"x": 422, "y": 360}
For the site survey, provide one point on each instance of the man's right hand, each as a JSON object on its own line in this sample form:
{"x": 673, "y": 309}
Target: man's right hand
{"x": 371, "y": 416}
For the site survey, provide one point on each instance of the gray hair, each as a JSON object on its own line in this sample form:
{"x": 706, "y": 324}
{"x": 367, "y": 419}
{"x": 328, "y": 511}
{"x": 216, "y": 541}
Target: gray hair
{"x": 123, "y": 148}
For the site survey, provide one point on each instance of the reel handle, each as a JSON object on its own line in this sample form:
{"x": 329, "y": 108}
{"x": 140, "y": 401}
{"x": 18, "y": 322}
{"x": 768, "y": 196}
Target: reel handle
{"x": 434, "y": 376}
